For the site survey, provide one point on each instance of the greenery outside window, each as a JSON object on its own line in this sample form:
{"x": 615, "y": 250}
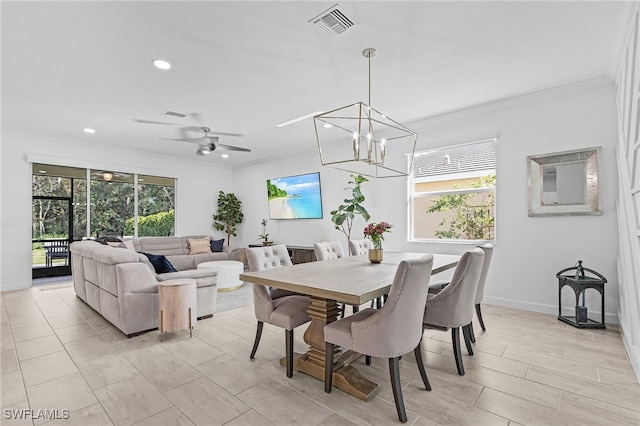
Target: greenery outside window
{"x": 452, "y": 193}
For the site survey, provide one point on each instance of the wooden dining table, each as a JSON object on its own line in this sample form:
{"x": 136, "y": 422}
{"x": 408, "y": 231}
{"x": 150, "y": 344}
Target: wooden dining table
{"x": 351, "y": 280}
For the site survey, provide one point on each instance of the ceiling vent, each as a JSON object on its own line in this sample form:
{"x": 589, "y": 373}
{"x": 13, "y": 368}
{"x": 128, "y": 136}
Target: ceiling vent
{"x": 170, "y": 113}
{"x": 333, "y": 21}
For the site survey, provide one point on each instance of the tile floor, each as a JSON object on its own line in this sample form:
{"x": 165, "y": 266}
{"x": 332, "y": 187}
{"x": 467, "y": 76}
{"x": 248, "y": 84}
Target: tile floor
{"x": 528, "y": 369}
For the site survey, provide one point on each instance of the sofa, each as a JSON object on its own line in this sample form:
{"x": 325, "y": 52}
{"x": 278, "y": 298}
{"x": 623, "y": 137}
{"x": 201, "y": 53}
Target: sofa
{"x": 121, "y": 284}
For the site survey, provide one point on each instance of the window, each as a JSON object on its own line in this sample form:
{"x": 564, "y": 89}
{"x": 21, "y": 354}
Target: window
{"x": 452, "y": 193}
{"x": 114, "y": 204}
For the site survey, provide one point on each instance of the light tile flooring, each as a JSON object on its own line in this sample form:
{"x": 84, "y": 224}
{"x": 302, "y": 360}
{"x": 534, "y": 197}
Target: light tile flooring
{"x": 528, "y": 368}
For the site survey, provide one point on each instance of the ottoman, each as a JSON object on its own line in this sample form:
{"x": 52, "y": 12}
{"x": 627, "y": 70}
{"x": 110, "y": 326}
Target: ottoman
{"x": 228, "y": 273}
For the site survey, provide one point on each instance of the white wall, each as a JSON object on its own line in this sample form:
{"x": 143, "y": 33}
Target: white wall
{"x": 529, "y": 250}
{"x": 196, "y": 191}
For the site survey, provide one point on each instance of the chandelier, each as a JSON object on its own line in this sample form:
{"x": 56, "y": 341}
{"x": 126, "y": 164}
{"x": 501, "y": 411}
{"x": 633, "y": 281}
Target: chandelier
{"x": 359, "y": 139}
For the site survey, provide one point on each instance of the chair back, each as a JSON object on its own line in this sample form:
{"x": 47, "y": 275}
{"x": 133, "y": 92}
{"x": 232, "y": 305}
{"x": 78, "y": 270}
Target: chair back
{"x": 488, "y": 253}
{"x": 261, "y": 258}
{"x": 396, "y": 328}
{"x": 358, "y": 247}
{"x": 328, "y": 251}
{"x": 453, "y": 306}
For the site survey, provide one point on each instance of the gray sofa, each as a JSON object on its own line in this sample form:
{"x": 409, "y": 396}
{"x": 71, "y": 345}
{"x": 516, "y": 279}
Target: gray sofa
{"x": 122, "y": 285}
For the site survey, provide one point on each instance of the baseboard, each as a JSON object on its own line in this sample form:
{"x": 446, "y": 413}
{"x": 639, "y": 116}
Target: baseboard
{"x": 15, "y": 286}
{"x": 609, "y": 318}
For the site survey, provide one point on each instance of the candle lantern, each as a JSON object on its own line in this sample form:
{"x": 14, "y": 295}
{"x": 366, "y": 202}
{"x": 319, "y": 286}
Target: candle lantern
{"x": 579, "y": 281}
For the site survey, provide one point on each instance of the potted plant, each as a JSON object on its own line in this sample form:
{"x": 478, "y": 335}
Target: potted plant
{"x": 345, "y": 214}
{"x": 264, "y": 236}
{"x": 229, "y": 214}
{"x": 375, "y": 232}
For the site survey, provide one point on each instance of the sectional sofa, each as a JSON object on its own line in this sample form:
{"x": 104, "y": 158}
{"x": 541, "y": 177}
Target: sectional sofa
{"x": 122, "y": 285}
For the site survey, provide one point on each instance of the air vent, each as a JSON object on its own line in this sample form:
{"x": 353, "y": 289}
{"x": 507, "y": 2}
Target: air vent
{"x": 333, "y": 21}
{"x": 174, "y": 114}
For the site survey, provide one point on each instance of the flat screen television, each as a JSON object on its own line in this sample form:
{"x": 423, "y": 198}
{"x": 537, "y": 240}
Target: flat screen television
{"x": 295, "y": 197}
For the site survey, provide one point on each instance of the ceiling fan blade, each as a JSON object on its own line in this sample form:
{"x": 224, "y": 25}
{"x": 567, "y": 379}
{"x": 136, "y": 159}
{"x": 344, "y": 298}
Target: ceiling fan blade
{"x": 227, "y": 134}
{"x": 199, "y": 129}
{"x": 153, "y": 122}
{"x": 224, "y": 147}
{"x": 192, "y": 140}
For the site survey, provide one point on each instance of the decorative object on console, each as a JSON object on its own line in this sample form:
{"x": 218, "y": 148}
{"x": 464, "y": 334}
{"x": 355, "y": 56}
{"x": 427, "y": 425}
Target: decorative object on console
{"x": 368, "y": 142}
{"x": 264, "y": 236}
{"x": 343, "y": 217}
{"x": 229, "y": 214}
{"x": 295, "y": 197}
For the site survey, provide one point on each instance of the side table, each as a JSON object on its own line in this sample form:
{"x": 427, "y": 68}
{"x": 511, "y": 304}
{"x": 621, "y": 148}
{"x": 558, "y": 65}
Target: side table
{"x": 177, "y": 302}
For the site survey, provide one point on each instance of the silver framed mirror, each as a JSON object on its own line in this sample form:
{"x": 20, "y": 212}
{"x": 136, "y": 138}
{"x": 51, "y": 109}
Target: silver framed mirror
{"x": 565, "y": 183}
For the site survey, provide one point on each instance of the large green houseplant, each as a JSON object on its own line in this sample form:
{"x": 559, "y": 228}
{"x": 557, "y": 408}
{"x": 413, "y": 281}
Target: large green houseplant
{"x": 229, "y": 214}
{"x": 344, "y": 216}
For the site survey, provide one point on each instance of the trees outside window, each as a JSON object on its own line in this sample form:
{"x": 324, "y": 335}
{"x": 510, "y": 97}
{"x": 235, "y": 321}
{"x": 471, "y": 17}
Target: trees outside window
{"x": 452, "y": 193}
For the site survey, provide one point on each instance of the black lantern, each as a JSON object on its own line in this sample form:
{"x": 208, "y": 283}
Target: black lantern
{"x": 576, "y": 278}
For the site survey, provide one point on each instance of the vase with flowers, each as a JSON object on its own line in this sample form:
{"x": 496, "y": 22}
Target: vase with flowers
{"x": 264, "y": 236}
{"x": 375, "y": 232}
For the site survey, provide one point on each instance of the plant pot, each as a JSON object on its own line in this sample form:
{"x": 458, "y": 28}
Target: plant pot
{"x": 267, "y": 243}
{"x": 375, "y": 255}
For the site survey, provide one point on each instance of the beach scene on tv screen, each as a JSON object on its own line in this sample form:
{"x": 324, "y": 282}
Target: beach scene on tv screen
{"x": 295, "y": 197}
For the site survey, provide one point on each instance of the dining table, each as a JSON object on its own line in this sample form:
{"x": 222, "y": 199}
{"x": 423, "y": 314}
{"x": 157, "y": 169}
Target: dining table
{"x": 351, "y": 280}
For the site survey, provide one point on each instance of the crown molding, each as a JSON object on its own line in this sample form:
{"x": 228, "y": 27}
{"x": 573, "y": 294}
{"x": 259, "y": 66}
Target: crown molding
{"x": 506, "y": 103}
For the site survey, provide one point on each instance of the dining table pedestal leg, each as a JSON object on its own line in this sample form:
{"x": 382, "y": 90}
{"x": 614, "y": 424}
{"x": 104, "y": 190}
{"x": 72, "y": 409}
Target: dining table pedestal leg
{"x": 345, "y": 376}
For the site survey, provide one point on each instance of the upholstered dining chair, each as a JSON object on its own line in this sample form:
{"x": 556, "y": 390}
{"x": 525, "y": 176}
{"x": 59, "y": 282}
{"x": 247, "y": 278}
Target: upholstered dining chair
{"x": 358, "y": 247}
{"x": 388, "y": 332}
{"x": 452, "y": 307}
{"x": 327, "y": 251}
{"x": 488, "y": 254}
{"x": 287, "y": 311}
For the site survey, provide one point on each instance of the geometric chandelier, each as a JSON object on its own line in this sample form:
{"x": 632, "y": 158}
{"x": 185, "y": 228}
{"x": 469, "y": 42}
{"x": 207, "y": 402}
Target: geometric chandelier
{"x": 358, "y": 138}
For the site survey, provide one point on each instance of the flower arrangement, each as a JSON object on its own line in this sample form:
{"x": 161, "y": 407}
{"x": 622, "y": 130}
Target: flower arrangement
{"x": 264, "y": 236}
{"x": 375, "y": 232}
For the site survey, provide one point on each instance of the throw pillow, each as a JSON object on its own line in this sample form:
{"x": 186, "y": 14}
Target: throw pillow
{"x": 129, "y": 244}
{"x": 116, "y": 244}
{"x": 216, "y": 245}
{"x": 200, "y": 245}
{"x": 160, "y": 263}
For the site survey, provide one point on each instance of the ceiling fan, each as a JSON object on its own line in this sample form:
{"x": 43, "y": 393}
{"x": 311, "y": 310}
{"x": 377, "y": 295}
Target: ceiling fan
{"x": 207, "y": 143}
{"x": 108, "y": 175}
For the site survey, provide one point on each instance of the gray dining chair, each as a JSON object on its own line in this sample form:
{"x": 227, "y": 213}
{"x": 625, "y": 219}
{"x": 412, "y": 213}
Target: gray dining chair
{"x": 452, "y": 307}
{"x": 358, "y": 247}
{"x": 488, "y": 254}
{"x": 328, "y": 251}
{"x": 388, "y": 332}
{"x": 286, "y": 311}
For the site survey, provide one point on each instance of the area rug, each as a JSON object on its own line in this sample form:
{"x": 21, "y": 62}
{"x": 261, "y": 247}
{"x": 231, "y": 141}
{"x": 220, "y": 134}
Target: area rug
{"x": 233, "y": 299}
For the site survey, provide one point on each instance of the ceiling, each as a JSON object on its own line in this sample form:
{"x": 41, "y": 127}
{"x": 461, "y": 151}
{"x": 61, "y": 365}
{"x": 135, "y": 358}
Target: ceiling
{"x": 243, "y": 67}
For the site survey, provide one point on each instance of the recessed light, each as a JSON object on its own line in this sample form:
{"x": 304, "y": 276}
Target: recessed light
{"x": 327, "y": 125}
{"x": 225, "y": 156}
{"x": 89, "y": 130}
{"x": 161, "y": 64}
{"x": 42, "y": 171}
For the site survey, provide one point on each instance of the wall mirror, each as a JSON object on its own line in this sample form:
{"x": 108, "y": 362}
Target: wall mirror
{"x": 565, "y": 183}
